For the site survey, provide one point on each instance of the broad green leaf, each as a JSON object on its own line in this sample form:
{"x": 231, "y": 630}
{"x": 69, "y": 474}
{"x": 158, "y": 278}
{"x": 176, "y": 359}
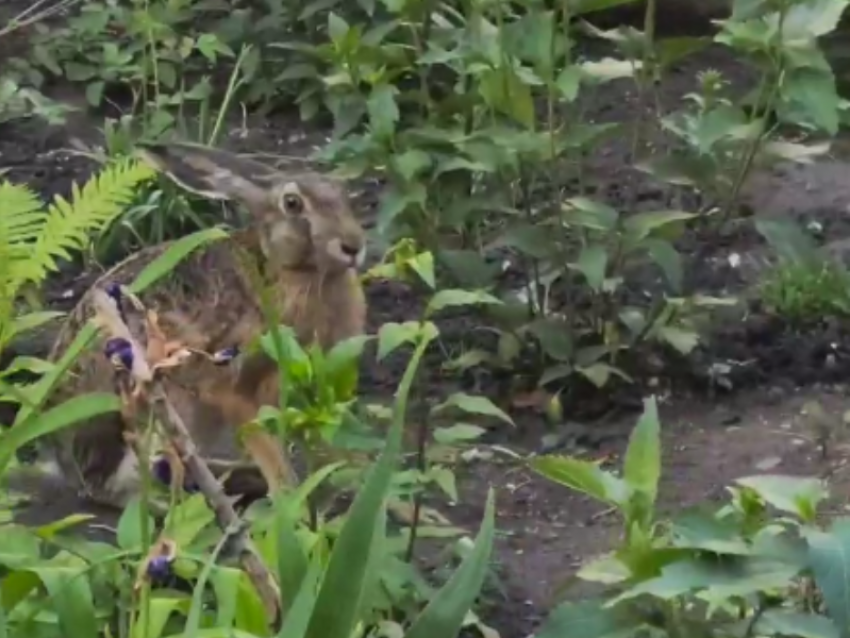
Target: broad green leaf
{"x": 587, "y": 213}
{"x": 642, "y": 465}
{"x": 345, "y": 353}
{"x": 445, "y": 613}
{"x": 129, "y": 534}
{"x": 811, "y": 19}
{"x": 383, "y": 110}
{"x": 176, "y": 252}
{"x": 829, "y": 560}
{"x": 393, "y": 335}
{"x": 160, "y": 610}
{"x": 423, "y": 265}
{"x": 593, "y": 264}
{"x": 66, "y": 580}
{"x": 590, "y": 619}
{"x": 781, "y": 622}
{"x": 582, "y": 476}
{"x": 796, "y": 495}
{"x": 810, "y": 97}
{"x": 473, "y": 404}
{"x": 641, "y": 225}
{"x": 665, "y": 255}
{"x": 789, "y": 240}
{"x": 456, "y": 297}
{"x": 555, "y": 335}
{"x": 74, "y": 411}
{"x": 458, "y": 432}
{"x": 700, "y": 530}
{"x": 734, "y": 576}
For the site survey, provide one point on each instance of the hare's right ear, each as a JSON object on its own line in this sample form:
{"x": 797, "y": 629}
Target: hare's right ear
{"x": 211, "y": 172}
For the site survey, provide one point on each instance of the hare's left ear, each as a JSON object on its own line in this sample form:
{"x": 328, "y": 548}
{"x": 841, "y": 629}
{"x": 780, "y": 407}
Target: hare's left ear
{"x": 211, "y": 172}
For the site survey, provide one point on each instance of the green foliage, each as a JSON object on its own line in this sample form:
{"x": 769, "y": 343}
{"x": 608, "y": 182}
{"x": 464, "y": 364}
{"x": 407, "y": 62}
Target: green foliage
{"x": 752, "y": 567}
{"x": 803, "y": 294}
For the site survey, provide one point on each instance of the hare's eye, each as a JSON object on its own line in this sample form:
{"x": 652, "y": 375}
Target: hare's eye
{"x": 292, "y": 204}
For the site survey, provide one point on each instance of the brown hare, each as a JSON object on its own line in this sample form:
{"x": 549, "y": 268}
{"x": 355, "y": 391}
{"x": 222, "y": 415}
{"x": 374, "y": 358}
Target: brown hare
{"x": 306, "y": 246}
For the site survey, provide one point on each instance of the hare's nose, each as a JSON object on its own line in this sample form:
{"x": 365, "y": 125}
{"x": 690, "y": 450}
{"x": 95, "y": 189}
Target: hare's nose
{"x": 350, "y": 249}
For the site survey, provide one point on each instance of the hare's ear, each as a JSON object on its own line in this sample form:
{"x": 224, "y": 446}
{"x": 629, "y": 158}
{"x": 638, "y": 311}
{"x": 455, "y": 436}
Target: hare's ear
{"x": 211, "y": 172}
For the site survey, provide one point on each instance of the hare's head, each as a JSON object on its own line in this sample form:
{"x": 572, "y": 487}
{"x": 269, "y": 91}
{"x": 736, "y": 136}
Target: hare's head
{"x": 302, "y": 220}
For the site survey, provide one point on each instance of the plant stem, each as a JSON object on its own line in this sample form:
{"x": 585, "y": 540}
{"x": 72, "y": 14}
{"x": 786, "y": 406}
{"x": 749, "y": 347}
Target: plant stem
{"x": 422, "y": 466}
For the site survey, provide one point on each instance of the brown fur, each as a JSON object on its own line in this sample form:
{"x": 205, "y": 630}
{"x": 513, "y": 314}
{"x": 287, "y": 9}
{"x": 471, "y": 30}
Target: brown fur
{"x": 210, "y": 302}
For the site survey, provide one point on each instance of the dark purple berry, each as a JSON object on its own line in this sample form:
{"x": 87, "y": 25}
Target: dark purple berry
{"x": 159, "y": 568}
{"x": 114, "y": 346}
{"x": 113, "y": 289}
{"x": 161, "y": 470}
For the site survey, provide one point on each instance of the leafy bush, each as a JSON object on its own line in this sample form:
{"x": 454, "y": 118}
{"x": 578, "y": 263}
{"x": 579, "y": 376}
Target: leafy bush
{"x": 760, "y": 565}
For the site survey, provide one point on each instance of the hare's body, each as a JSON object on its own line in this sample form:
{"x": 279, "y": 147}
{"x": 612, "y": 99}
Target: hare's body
{"x": 210, "y": 302}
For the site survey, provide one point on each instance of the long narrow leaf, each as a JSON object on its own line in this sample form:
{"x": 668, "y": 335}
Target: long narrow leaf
{"x": 343, "y": 587}
{"x": 298, "y": 618}
{"x": 447, "y": 610}
{"x": 73, "y": 411}
{"x": 176, "y": 252}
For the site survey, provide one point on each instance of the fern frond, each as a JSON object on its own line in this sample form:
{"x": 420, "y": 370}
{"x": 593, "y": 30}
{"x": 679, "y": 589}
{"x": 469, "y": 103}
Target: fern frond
{"x": 67, "y": 225}
{"x": 22, "y": 214}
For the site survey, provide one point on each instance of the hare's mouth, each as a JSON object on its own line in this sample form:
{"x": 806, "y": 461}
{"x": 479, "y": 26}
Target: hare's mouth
{"x": 346, "y": 256}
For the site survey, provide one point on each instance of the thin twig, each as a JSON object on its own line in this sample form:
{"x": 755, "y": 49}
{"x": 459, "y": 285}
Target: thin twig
{"x": 143, "y": 370}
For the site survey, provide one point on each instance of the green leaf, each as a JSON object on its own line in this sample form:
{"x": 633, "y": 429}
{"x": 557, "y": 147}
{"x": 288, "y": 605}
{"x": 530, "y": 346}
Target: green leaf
{"x": 789, "y": 240}
{"x": 642, "y": 465}
{"x": 457, "y": 433}
{"x": 446, "y": 611}
{"x": 176, "y": 252}
{"x": 337, "y": 27}
{"x": 568, "y": 82}
{"x": 583, "y": 476}
{"x": 393, "y": 335}
{"x": 293, "y": 564}
{"x": 347, "y": 576}
{"x": 423, "y": 265}
{"x": 584, "y": 212}
{"x": 641, "y": 225}
{"x": 829, "y": 560}
{"x": 456, "y": 297}
{"x": 734, "y": 576}
{"x": 74, "y": 411}
{"x": 593, "y": 264}
{"x": 555, "y": 337}
{"x": 383, "y": 110}
{"x": 159, "y": 611}
{"x": 66, "y": 582}
{"x": 590, "y": 619}
{"x": 799, "y": 625}
{"x": 130, "y": 525}
{"x": 809, "y": 97}
{"x": 668, "y": 259}
{"x": 297, "y": 621}
{"x": 472, "y": 404}
{"x": 684, "y": 341}
{"x": 796, "y": 495}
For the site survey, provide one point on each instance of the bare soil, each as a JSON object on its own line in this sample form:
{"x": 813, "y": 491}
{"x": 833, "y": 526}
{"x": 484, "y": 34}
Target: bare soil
{"x": 710, "y": 438}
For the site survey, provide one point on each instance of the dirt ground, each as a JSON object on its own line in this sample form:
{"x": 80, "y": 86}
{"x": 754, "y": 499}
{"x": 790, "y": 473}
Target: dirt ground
{"x": 710, "y": 440}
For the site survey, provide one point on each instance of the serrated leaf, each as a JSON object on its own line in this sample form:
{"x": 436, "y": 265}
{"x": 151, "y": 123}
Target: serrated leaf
{"x": 582, "y": 476}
